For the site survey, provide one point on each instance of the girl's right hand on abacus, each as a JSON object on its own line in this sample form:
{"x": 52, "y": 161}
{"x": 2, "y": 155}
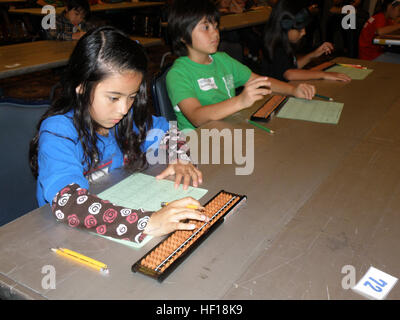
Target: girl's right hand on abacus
{"x": 254, "y": 90}
{"x": 170, "y": 217}
{"x": 304, "y": 91}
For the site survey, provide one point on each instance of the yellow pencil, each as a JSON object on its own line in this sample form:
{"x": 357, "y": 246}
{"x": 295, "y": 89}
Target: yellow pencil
{"x": 189, "y": 206}
{"x": 102, "y": 267}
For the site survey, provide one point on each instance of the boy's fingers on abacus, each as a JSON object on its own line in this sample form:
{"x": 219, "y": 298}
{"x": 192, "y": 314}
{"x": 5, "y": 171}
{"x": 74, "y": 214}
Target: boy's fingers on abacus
{"x": 256, "y": 81}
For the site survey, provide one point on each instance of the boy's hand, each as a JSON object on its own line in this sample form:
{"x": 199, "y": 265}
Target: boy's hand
{"x": 168, "y": 219}
{"x": 325, "y": 48}
{"x": 254, "y": 90}
{"x": 304, "y": 91}
{"x": 336, "y": 76}
{"x": 185, "y": 170}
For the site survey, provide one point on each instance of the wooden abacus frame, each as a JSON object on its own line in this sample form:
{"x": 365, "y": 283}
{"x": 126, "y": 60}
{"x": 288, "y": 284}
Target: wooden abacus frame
{"x": 161, "y": 275}
{"x": 271, "y": 106}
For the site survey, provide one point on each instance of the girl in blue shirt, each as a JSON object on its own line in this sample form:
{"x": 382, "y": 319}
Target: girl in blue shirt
{"x": 101, "y": 122}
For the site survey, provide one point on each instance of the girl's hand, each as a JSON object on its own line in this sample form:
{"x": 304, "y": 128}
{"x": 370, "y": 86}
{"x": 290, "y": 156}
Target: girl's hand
{"x": 168, "y": 219}
{"x": 185, "y": 170}
{"x": 304, "y": 91}
{"x": 254, "y": 90}
{"x": 325, "y": 48}
{"x": 336, "y": 76}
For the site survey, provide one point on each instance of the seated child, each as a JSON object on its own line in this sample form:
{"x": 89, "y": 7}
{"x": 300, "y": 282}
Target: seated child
{"x": 382, "y": 23}
{"x": 70, "y": 24}
{"x": 201, "y": 83}
{"x": 285, "y": 28}
{"x": 99, "y": 123}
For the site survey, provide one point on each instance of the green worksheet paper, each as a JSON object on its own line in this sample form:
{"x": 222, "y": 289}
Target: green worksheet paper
{"x": 353, "y": 73}
{"x": 311, "y": 110}
{"x": 143, "y": 191}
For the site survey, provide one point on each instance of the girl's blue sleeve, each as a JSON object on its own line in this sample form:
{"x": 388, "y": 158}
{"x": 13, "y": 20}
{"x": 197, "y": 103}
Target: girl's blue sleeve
{"x": 59, "y": 159}
{"x": 154, "y": 136}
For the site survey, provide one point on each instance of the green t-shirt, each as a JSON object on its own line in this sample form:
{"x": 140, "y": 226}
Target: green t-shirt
{"x": 209, "y": 83}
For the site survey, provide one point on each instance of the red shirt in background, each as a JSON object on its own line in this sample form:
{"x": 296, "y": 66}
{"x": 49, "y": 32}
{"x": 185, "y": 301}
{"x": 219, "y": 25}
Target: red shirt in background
{"x": 367, "y": 50}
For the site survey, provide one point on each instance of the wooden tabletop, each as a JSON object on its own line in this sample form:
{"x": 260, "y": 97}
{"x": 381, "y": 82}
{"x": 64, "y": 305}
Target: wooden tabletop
{"x": 246, "y": 19}
{"x": 93, "y": 8}
{"x": 321, "y": 197}
{"x": 29, "y": 57}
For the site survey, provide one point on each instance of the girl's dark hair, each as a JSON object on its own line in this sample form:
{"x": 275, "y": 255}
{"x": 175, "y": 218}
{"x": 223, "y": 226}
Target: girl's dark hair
{"x": 286, "y": 15}
{"x": 99, "y": 53}
{"x": 183, "y": 17}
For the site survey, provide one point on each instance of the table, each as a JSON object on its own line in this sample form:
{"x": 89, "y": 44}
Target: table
{"x": 93, "y": 8}
{"x": 389, "y": 39}
{"x": 30, "y": 57}
{"x": 321, "y": 197}
{"x": 246, "y": 19}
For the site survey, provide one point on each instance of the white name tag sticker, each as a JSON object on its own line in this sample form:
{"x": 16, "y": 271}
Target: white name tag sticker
{"x": 375, "y": 284}
{"x": 206, "y": 84}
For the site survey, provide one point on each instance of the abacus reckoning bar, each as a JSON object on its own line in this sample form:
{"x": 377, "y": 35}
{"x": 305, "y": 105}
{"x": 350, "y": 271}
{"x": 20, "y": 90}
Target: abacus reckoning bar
{"x": 265, "y": 111}
{"x": 159, "y": 262}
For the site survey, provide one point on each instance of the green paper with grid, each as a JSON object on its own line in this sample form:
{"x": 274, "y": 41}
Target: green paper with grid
{"x": 144, "y": 191}
{"x": 353, "y": 73}
{"x": 311, "y": 110}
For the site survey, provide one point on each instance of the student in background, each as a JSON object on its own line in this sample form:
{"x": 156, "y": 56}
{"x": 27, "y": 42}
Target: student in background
{"x": 99, "y": 123}
{"x": 284, "y": 30}
{"x": 334, "y": 24}
{"x": 380, "y": 24}
{"x": 71, "y": 23}
{"x": 201, "y": 83}
{"x": 249, "y": 37}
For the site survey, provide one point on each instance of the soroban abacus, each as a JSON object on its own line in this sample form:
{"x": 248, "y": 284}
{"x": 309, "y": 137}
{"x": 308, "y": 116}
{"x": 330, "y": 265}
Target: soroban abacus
{"x": 159, "y": 262}
{"x": 265, "y": 112}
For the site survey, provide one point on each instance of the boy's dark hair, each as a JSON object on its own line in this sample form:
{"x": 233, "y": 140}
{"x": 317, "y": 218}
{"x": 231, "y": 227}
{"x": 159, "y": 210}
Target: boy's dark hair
{"x": 79, "y": 5}
{"x": 99, "y": 53}
{"x": 286, "y": 15}
{"x": 183, "y": 17}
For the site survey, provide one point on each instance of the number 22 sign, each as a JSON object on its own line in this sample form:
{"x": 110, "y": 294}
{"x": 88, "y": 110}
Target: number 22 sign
{"x": 375, "y": 284}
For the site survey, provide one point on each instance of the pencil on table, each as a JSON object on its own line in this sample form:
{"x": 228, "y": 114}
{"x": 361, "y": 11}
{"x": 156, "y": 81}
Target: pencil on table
{"x": 323, "y": 97}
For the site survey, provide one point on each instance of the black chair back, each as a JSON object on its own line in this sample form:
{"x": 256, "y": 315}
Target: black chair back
{"x": 161, "y": 102}
{"x": 18, "y": 121}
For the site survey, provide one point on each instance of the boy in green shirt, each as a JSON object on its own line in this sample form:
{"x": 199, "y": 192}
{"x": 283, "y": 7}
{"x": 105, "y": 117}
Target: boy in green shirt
{"x": 201, "y": 83}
